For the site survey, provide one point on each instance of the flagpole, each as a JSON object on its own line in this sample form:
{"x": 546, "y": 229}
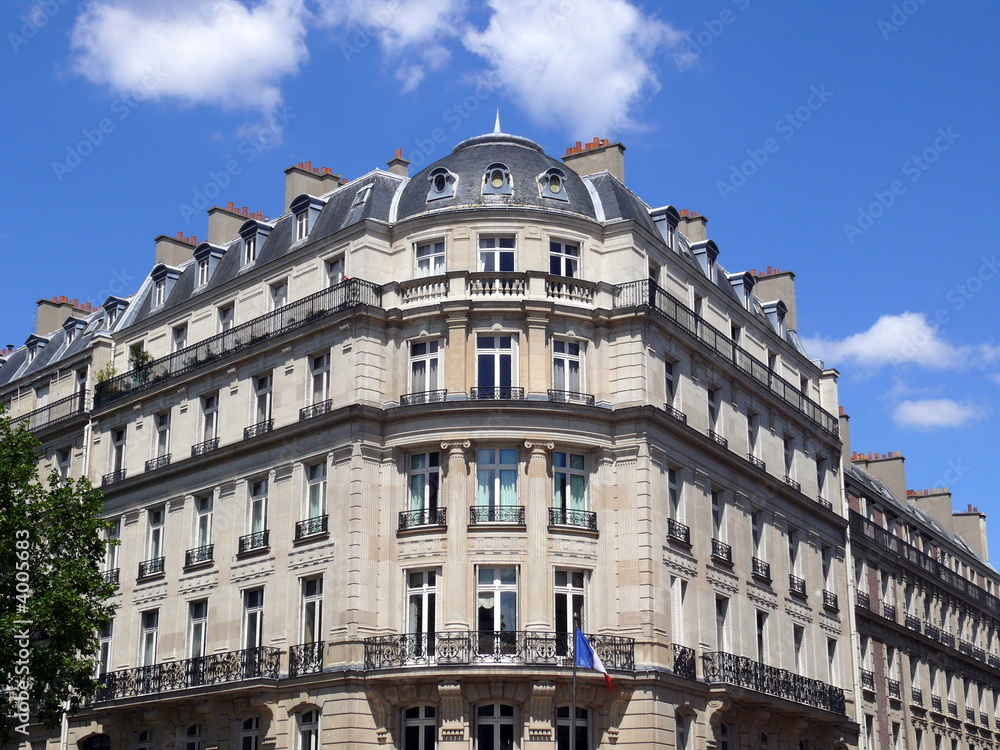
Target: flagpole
{"x": 572, "y": 714}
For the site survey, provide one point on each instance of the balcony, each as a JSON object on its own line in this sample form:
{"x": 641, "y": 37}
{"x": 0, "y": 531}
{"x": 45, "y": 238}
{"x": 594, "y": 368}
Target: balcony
{"x": 756, "y": 462}
{"x": 825, "y": 503}
{"x": 571, "y": 397}
{"x": 917, "y": 696}
{"x": 952, "y": 708}
{"x": 316, "y": 410}
{"x": 257, "y": 541}
{"x": 889, "y": 611}
{"x": 868, "y": 680}
{"x": 740, "y": 671}
{"x": 497, "y": 394}
{"x": 979, "y": 654}
{"x": 424, "y": 397}
{"x": 150, "y": 568}
{"x": 948, "y": 639}
{"x": 864, "y": 600}
{"x": 512, "y": 514}
{"x": 932, "y": 631}
{"x": 113, "y": 477}
{"x": 245, "y": 337}
{"x": 761, "y": 570}
{"x": 913, "y": 623}
{"x": 936, "y": 702}
{"x": 797, "y": 585}
{"x": 793, "y": 484}
{"x": 984, "y": 719}
{"x": 256, "y": 430}
{"x": 581, "y": 519}
{"x": 306, "y": 658}
{"x": 214, "y": 669}
{"x": 718, "y": 438}
{"x": 513, "y": 647}
{"x": 207, "y": 447}
{"x": 831, "y": 601}
{"x": 199, "y": 556}
{"x": 676, "y": 414}
{"x": 159, "y": 462}
{"x": 311, "y": 527}
{"x": 569, "y": 289}
{"x": 498, "y": 285}
{"x": 965, "y": 647}
{"x": 112, "y": 576}
{"x": 678, "y": 532}
{"x": 722, "y": 552}
{"x": 970, "y": 714}
{"x": 415, "y": 519}
{"x": 894, "y": 689}
{"x": 685, "y": 664}
{"x": 55, "y": 413}
{"x": 993, "y": 661}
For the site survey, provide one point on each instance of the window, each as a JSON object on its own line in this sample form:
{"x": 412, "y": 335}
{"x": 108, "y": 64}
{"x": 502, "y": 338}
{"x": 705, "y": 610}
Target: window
{"x": 678, "y": 594}
{"x": 714, "y": 399}
{"x": 670, "y": 382}
{"x": 64, "y": 460}
{"x": 249, "y": 250}
{"x": 180, "y": 336}
{"x": 197, "y": 628}
{"x": 113, "y": 546}
{"x": 162, "y": 445}
{"x": 307, "y": 736}
{"x": 494, "y": 360}
{"x": 262, "y": 398}
{"x": 424, "y": 366}
{"x": 104, "y": 637}
{"x": 253, "y": 618}
{"x": 566, "y": 370}
{"x": 316, "y": 490}
{"x": 301, "y": 225}
{"x": 495, "y": 727}
{"x": 430, "y": 258}
{"x": 675, "y": 489}
{"x": 150, "y": 623}
{"x": 335, "y": 270}
{"x": 203, "y": 522}
{"x": 579, "y": 727}
{"x": 722, "y": 635}
{"x": 424, "y": 481}
{"x": 159, "y": 292}
{"x": 682, "y": 732}
{"x": 789, "y": 443}
{"x": 569, "y": 492}
{"x": 154, "y": 540}
{"x": 203, "y": 271}
{"x": 118, "y": 449}
{"x": 312, "y": 610}
{"x": 144, "y": 740}
{"x": 699, "y": 306}
{"x": 497, "y": 609}
{"x": 798, "y": 648}
{"x": 362, "y": 195}
{"x": 753, "y": 428}
{"x": 41, "y": 396}
{"x": 421, "y": 610}
{"x": 496, "y": 254}
{"x": 319, "y": 374}
{"x": 258, "y": 506}
{"x": 832, "y": 664}
{"x": 761, "y": 636}
{"x": 793, "y": 551}
{"x": 419, "y": 728}
{"x": 496, "y": 181}
{"x": 822, "y": 465}
{"x": 757, "y": 533}
{"x": 564, "y": 259}
{"x": 569, "y": 607}
{"x": 718, "y": 516}
{"x": 279, "y": 294}
{"x": 209, "y": 417}
{"x": 227, "y": 314}
{"x": 250, "y": 734}
{"x": 442, "y": 184}
{"x": 553, "y": 184}
{"x": 826, "y": 556}
{"x": 497, "y": 478}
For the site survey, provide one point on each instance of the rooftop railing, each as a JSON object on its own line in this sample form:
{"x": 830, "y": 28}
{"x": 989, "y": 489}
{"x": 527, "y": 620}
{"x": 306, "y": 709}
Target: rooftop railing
{"x": 741, "y": 671}
{"x": 52, "y": 414}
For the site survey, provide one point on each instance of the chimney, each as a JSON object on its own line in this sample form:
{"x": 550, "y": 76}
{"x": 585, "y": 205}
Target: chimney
{"x": 693, "y": 225}
{"x": 937, "y": 502}
{"x": 778, "y": 284}
{"x": 845, "y": 431}
{"x": 224, "y": 224}
{"x": 889, "y": 468}
{"x": 174, "y": 251}
{"x": 597, "y": 156}
{"x": 303, "y": 178}
{"x": 52, "y": 313}
{"x": 399, "y": 165}
{"x": 971, "y": 526}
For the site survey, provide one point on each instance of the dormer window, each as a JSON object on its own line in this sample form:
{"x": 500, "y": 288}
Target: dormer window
{"x": 442, "y": 184}
{"x": 553, "y": 184}
{"x": 113, "y": 308}
{"x": 249, "y": 250}
{"x": 306, "y": 209}
{"x": 160, "y": 293}
{"x": 253, "y": 233}
{"x": 301, "y": 226}
{"x": 164, "y": 277}
{"x": 34, "y": 345}
{"x": 71, "y": 328}
{"x": 496, "y": 181}
{"x": 705, "y": 253}
{"x": 208, "y": 257}
{"x": 362, "y": 196}
{"x": 203, "y": 269}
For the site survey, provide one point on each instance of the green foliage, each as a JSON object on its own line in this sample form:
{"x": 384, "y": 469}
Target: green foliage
{"x": 106, "y": 373}
{"x": 53, "y": 596}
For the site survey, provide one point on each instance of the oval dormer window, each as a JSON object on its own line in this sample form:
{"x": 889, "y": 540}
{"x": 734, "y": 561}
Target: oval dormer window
{"x": 552, "y": 184}
{"x": 555, "y": 183}
{"x": 497, "y": 180}
{"x": 442, "y": 184}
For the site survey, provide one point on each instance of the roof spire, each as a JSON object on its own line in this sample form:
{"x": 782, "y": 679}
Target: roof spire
{"x": 496, "y": 127}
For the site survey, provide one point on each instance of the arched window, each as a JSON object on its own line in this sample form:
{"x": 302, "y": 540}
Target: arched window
{"x": 495, "y": 727}
{"x": 144, "y": 741}
{"x": 580, "y": 727}
{"x": 419, "y": 728}
{"x": 496, "y": 180}
{"x": 307, "y": 731}
{"x": 682, "y": 731}
{"x": 250, "y": 734}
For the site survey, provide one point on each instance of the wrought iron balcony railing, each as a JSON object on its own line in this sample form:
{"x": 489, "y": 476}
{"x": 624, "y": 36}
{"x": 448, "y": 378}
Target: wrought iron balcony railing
{"x": 932, "y": 631}
{"x": 514, "y": 647}
{"x": 685, "y": 664}
{"x": 936, "y": 702}
{"x": 230, "y": 666}
{"x": 722, "y": 552}
{"x": 830, "y": 600}
{"x": 114, "y": 476}
{"x": 868, "y": 680}
{"x": 55, "y": 413}
{"x": 295, "y": 315}
{"x": 306, "y": 658}
{"x": 756, "y": 462}
{"x": 894, "y": 689}
{"x": 825, "y": 503}
{"x": 199, "y": 555}
{"x": 154, "y": 567}
{"x": 970, "y": 714}
{"x": 984, "y": 719}
{"x": 912, "y": 622}
{"x": 676, "y": 414}
{"x": 917, "y": 696}
{"x": 412, "y": 519}
{"x": 718, "y": 438}
{"x": 993, "y": 661}
{"x": 311, "y": 527}
{"x": 584, "y": 519}
{"x": 159, "y": 462}
{"x": 948, "y": 639}
{"x": 513, "y": 514}
{"x": 678, "y": 532}
{"x": 496, "y": 394}
{"x": 645, "y": 293}
{"x": 953, "y": 708}
{"x": 721, "y": 667}
{"x": 796, "y": 585}
{"x": 793, "y": 484}
{"x": 889, "y": 611}
{"x": 864, "y": 600}
{"x": 424, "y": 397}
{"x": 315, "y": 410}
{"x": 259, "y": 540}
{"x": 760, "y": 569}
{"x": 571, "y": 397}
{"x": 112, "y": 576}
{"x": 206, "y": 447}
{"x": 255, "y": 430}
{"x": 965, "y": 646}
{"x": 978, "y": 653}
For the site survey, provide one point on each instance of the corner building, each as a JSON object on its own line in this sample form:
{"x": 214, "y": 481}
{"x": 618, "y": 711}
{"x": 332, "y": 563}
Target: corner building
{"x": 371, "y": 460}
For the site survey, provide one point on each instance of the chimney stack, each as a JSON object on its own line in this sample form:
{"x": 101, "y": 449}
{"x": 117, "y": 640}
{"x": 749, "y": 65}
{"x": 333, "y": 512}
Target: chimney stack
{"x": 399, "y": 165}
{"x": 597, "y": 156}
{"x": 304, "y": 178}
{"x": 889, "y": 467}
{"x": 224, "y": 223}
{"x": 693, "y": 225}
{"x": 174, "y": 251}
{"x": 777, "y": 284}
{"x": 52, "y": 313}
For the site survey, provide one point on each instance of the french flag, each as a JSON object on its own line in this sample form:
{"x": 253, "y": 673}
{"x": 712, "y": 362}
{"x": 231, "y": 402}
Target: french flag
{"x": 586, "y": 657}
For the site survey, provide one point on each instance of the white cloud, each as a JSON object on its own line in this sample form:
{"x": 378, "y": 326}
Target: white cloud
{"x": 219, "y": 52}
{"x": 929, "y": 414}
{"x": 581, "y": 64}
{"x": 897, "y": 339}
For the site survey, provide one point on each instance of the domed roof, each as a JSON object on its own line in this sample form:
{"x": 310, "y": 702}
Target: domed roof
{"x": 520, "y": 174}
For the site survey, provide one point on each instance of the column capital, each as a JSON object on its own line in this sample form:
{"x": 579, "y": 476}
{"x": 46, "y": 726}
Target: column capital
{"x": 539, "y": 449}
{"x": 456, "y": 447}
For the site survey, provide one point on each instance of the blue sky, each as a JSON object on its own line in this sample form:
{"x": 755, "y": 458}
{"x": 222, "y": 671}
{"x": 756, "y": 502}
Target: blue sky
{"x": 854, "y": 143}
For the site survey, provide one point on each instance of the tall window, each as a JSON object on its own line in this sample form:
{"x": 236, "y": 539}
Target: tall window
{"x": 180, "y": 337}
{"x": 150, "y": 624}
{"x": 566, "y": 370}
{"x": 227, "y": 316}
{"x": 833, "y": 667}
{"x": 430, "y": 258}
{"x": 279, "y": 294}
{"x": 826, "y": 555}
{"x": 307, "y": 736}
{"x": 159, "y": 293}
{"x": 421, "y": 610}
{"x": 312, "y": 610}
{"x": 197, "y": 628}
{"x": 495, "y": 727}
{"x": 580, "y": 726}
{"x": 682, "y": 732}
{"x": 678, "y": 595}
{"x": 424, "y": 481}
{"x": 316, "y": 491}
{"x": 424, "y": 366}
{"x": 319, "y": 376}
{"x": 118, "y": 449}
{"x": 253, "y": 618}
{"x": 249, "y": 250}
{"x": 793, "y": 551}
{"x": 757, "y": 533}
{"x": 203, "y": 521}
{"x": 111, "y": 551}
{"x": 494, "y": 360}
{"x": 301, "y": 225}
{"x": 569, "y": 606}
{"x": 250, "y": 734}
{"x": 496, "y": 254}
{"x": 258, "y": 506}
{"x": 496, "y": 609}
{"x": 722, "y": 636}
{"x": 203, "y": 271}
{"x": 753, "y": 428}
{"x": 419, "y": 728}
{"x": 104, "y": 637}
{"x": 335, "y": 270}
{"x": 670, "y": 382}
{"x": 162, "y": 445}
{"x": 64, "y": 459}
{"x": 718, "y": 516}
{"x": 154, "y": 538}
{"x": 675, "y": 487}
{"x": 821, "y": 469}
{"x": 209, "y": 417}
{"x": 496, "y": 471}
{"x": 564, "y": 259}
{"x": 761, "y": 636}
{"x": 798, "y": 648}
{"x": 714, "y": 399}
{"x": 789, "y": 447}
{"x": 262, "y": 398}
{"x": 570, "y": 478}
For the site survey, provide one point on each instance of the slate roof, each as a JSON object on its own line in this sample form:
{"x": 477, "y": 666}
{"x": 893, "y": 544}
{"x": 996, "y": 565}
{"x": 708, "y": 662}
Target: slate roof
{"x": 56, "y": 350}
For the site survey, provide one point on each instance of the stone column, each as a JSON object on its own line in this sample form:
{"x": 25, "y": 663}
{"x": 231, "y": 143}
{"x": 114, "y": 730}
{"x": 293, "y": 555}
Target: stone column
{"x": 536, "y": 587}
{"x": 455, "y": 581}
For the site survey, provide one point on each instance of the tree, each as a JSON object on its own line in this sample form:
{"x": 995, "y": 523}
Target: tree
{"x": 53, "y": 596}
